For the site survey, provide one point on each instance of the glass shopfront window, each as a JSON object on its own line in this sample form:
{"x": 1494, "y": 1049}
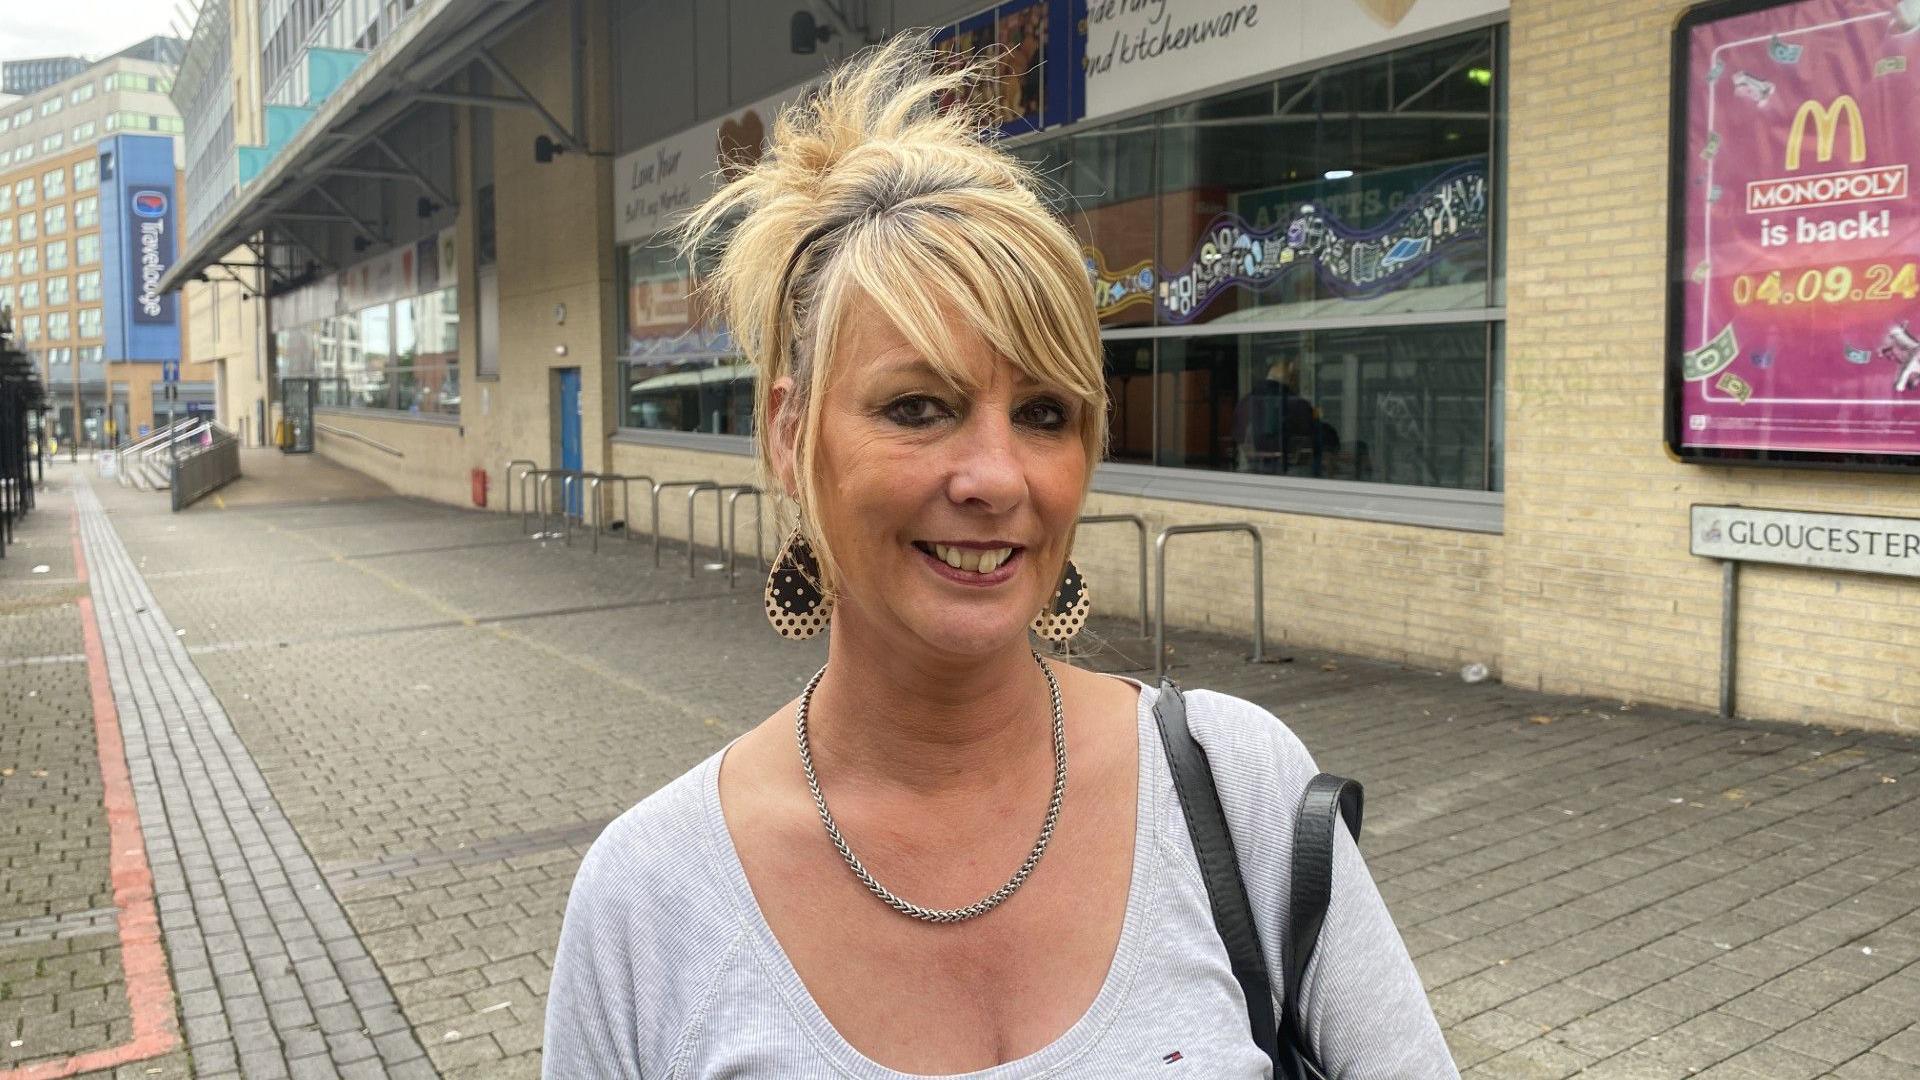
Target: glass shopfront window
{"x": 1299, "y": 279}
{"x": 402, "y": 356}
{"x": 1397, "y": 405}
{"x": 679, "y": 374}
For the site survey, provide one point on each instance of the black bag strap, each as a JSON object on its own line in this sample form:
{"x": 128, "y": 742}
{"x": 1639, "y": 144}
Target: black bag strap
{"x": 1327, "y": 800}
{"x": 1219, "y": 865}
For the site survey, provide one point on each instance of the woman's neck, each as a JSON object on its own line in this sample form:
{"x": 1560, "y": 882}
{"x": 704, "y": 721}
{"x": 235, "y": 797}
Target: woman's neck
{"x": 923, "y": 724}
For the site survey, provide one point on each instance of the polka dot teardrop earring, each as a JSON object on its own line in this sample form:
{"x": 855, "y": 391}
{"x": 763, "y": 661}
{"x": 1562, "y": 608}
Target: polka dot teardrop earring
{"x": 1067, "y": 611}
{"x": 797, "y": 604}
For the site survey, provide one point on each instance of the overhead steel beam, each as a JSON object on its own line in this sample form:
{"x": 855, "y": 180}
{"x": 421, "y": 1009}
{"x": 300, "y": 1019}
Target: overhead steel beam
{"x": 374, "y": 103}
{"x": 566, "y": 138}
{"x": 301, "y": 242}
{"x": 432, "y": 189}
{"x": 366, "y": 174}
{"x": 481, "y": 101}
{"x": 309, "y": 215}
{"x": 359, "y": 226}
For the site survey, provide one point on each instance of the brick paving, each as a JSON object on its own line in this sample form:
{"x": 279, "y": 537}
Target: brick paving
{"x": 63, "y": 989}
{"x": 444, "y": 714}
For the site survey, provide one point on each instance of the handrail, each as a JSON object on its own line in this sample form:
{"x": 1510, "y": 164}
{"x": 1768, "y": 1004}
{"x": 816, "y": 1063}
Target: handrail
{"x": 119, "y": 456}
{"x": 657, "y": 489}
{"x": 175, "y": 435}
{"x": 1160, "y": 590}
{"x": 508, "y": 477}
{"x": 719, "y": 512}
{"x": 357, "y": 437}
{"x": 734, "y": 491}
{"x": 1140, "y": 524}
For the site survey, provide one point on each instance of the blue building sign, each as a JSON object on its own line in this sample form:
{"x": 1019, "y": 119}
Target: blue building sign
{"x": 138, "y": 215}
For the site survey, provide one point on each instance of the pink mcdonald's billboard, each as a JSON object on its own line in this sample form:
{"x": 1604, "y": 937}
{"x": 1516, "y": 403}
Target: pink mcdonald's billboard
{"x": 1794, "y": 258}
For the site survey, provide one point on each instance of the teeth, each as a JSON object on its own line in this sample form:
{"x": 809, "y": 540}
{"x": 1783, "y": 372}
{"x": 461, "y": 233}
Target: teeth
{"x": 972, "y": 560}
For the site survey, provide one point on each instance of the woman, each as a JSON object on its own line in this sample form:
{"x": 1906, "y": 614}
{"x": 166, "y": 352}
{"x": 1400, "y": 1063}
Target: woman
{"x": 856, "y": 887}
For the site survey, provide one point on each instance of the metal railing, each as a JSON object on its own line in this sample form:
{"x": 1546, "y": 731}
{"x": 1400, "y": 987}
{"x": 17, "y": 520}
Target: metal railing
{"x": 1160, "y": 590}
{"x": 734, "y": 492}
{"x": 508, "y": 479}
{"x": 205, "y": 468}
{"x": 719, "y": 522}
{"x": 1140, "y": 524}
{"x": 119, "y": 456}
{"x": 150, "y": 473}
{"x": 594, "y": 481}
{"x": 543, "y": 481}
{"x": 133, "y": 464}
{"x": 627, "y": 480}
{"x": 657, "y": 489}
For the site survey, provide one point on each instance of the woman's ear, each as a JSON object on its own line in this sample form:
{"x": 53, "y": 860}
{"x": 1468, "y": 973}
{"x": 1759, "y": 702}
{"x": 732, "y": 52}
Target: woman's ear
{"x": 782, "y": 408}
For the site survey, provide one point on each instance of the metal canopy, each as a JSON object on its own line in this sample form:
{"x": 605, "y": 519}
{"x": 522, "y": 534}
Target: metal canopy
{"x": 346, "y": 139}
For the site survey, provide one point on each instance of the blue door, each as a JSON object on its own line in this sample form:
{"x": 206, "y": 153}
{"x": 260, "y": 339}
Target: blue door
{"x": 570, "y": 433}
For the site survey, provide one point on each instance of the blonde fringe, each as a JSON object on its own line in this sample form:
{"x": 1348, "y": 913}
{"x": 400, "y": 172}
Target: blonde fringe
{"x": 918, "y": 206}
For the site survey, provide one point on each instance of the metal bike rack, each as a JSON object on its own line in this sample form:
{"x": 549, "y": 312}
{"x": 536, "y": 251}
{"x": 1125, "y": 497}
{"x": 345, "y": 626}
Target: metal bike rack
{"x": 1140, "y": 524}
{"x": 626, "y": 498}
{"x": 542, "y": 489}
{"x": 719, "y": 513}
{"x": 1160, "y": 591}
{"x": 511, "y": 465}
{"x": 528, "y": 494}
{"x": 566, "y": 501}
{"x": 733, "y": 492}
{"x": 657, "y": 489}
{"x": 593, "y": 493}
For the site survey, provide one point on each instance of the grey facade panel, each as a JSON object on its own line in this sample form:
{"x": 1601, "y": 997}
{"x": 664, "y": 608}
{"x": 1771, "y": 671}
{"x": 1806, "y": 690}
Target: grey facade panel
{"x": 761, "y": 59}
{"x": 657, "y": 53}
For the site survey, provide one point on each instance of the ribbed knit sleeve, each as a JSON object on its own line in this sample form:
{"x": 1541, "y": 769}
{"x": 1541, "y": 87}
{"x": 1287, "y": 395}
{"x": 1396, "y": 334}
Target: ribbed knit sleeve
{"x": 1366, "y": 1011}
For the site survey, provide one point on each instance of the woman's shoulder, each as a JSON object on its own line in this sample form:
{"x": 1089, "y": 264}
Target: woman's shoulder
{"x": 655, "y": 857}
{"x": 1246, "y": 742}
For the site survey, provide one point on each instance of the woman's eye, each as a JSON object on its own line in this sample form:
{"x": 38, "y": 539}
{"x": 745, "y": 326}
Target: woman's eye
{"x": 917, "y": 411}
{"x": 1044, "y": 414}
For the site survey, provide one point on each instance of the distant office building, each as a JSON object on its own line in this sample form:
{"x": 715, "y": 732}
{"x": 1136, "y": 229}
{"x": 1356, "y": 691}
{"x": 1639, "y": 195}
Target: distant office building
{"x": 25, "y": 77}
{"x": 54, "y": 266}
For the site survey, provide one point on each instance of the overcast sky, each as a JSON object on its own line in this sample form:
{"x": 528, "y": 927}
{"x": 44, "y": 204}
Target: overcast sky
{"x": 89, "y": 28}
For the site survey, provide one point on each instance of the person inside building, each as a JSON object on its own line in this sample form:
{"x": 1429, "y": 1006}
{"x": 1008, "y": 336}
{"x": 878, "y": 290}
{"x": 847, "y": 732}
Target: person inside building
{"x": 1278, "y": 430}
{"x": 948, "y": 854}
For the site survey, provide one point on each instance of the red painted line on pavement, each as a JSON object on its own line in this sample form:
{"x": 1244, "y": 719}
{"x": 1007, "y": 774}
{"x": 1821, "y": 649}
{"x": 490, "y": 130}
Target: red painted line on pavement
{"x": 142, "y": 959}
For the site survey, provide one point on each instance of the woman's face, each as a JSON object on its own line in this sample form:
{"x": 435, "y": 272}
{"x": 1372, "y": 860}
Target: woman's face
{"x": 949, "y": 513}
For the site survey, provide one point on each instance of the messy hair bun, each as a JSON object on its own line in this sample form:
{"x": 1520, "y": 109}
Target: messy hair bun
{"x": 885, "y": 186}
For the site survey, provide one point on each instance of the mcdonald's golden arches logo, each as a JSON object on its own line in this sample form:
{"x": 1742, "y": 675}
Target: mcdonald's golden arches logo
{"x": 1826, "y": 129}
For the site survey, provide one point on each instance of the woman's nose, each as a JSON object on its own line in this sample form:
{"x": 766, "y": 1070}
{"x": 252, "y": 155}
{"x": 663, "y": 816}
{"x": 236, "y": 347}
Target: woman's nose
{"x": 987, "y": 469}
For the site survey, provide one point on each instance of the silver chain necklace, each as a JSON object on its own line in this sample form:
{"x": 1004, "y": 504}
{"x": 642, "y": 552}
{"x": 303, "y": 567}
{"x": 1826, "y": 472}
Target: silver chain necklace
{"x": 906, "y": 907}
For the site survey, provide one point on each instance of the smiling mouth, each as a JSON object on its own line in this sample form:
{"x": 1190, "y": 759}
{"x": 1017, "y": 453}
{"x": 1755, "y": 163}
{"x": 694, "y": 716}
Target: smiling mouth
{"x": 972, "y": 560}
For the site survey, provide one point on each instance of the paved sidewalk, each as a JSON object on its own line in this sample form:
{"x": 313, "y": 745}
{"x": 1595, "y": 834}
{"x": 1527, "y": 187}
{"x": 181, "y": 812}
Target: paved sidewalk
{"x": 404, "y": 723}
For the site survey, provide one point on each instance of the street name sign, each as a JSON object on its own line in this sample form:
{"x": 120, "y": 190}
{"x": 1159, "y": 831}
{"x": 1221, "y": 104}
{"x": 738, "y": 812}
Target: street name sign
{"x": 1867, "y": 545}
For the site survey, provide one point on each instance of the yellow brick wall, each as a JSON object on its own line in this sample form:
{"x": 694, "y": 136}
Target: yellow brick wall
{"x": 1601, "y": 594}
{"x": 432, "y": 458}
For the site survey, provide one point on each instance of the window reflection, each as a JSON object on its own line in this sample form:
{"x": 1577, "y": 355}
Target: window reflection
{"x": 1396, "y": 405}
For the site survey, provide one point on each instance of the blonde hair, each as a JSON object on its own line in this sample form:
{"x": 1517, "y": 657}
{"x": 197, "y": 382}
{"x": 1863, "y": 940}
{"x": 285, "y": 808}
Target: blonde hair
{"x": 884, "y": 186}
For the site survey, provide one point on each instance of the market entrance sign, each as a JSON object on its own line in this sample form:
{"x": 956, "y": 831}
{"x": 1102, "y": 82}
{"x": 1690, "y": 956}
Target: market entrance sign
{"x": 1867, "y": 545}
{"x": 1794, "y": 250}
